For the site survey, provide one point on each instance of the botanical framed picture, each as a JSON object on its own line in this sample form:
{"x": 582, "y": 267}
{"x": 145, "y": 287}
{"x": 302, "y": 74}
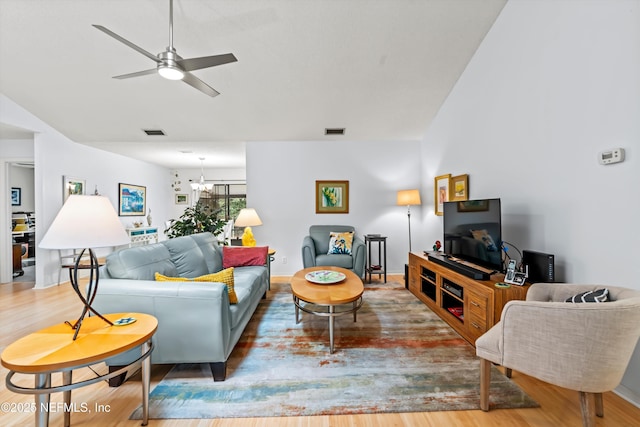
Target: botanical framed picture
{"x": 459, "y": 188}
{"x": 441, "y": 192}
{"x": 71, "y": 185}
{"x": 132, "y": 200}
{"x": 182, "y": 199}
{"x": 332, "y": 197}
{"x": 16, "y": 196}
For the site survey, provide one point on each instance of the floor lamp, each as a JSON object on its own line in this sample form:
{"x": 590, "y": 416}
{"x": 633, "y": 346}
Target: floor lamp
{"x": 408, "y": 198}
{"x": 85, "y": 222}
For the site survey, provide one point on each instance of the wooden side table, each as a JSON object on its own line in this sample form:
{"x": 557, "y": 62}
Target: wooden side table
{"x": 52, "y": 350}
{"x": 381, "y": 268}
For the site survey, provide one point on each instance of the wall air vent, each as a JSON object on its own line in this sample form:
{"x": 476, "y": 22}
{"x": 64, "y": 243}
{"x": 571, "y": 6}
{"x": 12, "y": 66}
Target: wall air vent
{"x": 153, "y": 132}
{"x": 334, "y": 131}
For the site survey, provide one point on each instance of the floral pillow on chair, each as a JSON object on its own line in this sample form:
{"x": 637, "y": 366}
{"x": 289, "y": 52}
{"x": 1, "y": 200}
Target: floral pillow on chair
{"x": 340, "y": 243}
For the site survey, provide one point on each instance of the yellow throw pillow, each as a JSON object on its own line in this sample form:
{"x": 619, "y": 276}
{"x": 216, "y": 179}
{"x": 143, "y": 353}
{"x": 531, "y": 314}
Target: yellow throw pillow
{"x": 225, "y": 276}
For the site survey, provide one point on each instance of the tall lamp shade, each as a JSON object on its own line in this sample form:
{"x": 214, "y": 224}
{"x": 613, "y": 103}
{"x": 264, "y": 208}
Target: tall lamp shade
{"x": 248, "y": 218}
{"x": 408, "y": 198}
{"x": 85, "y": 222}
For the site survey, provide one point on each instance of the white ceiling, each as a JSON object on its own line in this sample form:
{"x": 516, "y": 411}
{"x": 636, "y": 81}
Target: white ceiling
{"x": 379, "y": 68}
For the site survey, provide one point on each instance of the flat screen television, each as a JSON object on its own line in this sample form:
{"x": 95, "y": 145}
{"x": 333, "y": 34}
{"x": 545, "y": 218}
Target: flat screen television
{"x": 473, "y": 232}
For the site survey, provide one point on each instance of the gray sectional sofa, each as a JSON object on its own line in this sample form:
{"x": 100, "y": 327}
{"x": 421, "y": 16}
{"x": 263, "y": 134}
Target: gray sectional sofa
{"x": 196, "y": 322}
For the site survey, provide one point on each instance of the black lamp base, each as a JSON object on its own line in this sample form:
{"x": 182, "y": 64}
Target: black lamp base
{"x": 92, "y": 287}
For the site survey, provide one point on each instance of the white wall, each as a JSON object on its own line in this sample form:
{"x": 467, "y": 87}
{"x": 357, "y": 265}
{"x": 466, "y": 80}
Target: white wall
{"x": 553, "y": 83}
{"x": 55, "y": 156}
{"x": 281, "y": 187}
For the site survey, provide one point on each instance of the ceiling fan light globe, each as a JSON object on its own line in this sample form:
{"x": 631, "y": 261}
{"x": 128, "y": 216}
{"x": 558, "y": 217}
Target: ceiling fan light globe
{"x": 170, "y": 73}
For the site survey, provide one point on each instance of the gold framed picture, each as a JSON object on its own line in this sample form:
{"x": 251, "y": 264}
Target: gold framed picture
{"x": 459, "y": 188}
{"x": 441, "y": 192}
{"x": 332, "y": 197}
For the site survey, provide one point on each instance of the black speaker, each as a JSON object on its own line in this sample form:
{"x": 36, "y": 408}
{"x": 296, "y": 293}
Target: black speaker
{"x": 406, "y": 276}
{"x": 540, "y": 267}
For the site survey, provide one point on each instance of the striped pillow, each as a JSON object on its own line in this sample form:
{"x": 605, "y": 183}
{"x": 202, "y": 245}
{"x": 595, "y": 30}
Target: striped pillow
{"x": 600, "y": 295}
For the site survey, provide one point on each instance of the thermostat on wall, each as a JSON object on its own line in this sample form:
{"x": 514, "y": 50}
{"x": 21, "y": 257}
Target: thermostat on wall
{"x": 608, "y": 157}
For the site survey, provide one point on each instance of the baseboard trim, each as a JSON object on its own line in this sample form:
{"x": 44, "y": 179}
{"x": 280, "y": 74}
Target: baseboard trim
{"x": 628, "y": 395}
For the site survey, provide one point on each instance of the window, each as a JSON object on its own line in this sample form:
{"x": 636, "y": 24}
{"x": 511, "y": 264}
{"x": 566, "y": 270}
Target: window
{"x": 227, "y": 198}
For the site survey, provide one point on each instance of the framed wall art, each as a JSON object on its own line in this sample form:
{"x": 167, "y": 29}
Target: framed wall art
{"x": 71, "y": 185}
{"x": 16, "y": 196}
{"x": 459, "y": 188}
{"x": 132, "y": 200}
{"x": 441, "y": 192}
{"x": 332, "y": 197}
{"x": 182, "y": 199}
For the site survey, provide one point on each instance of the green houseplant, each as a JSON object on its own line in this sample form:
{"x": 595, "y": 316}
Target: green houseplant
{"x": 197, "y": 219}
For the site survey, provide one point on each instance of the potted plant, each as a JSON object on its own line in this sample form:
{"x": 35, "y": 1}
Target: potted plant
{"x": 197, "y": 219}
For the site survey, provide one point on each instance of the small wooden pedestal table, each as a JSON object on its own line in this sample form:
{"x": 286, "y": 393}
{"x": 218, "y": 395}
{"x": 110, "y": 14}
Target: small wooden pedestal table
{"x": 53, "y": 350}
{"x": 348, "y": 291}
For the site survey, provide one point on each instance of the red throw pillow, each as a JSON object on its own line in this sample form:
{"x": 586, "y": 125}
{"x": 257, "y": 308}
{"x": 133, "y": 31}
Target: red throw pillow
{"x": 239, "y": 256}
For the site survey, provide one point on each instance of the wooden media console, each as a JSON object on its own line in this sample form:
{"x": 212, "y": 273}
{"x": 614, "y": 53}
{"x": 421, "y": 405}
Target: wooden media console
{"x": 469, "y": 306}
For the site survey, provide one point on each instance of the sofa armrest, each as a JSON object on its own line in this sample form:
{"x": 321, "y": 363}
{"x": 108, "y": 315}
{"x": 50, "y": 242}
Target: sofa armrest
{"x": 308, "y": 252}
{"x": 359, "y": 253}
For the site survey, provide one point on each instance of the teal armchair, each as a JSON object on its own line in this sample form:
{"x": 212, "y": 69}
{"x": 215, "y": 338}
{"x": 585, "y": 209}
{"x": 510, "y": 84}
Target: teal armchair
{"x": 315, "y": 248}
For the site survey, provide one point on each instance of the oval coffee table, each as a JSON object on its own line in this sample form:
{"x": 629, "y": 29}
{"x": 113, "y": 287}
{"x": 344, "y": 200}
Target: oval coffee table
{"x": 322, "y": 299}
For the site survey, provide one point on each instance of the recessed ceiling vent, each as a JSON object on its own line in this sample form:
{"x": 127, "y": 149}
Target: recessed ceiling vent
{"x": 334, "y": 131}
{"x": 154, "y": 132}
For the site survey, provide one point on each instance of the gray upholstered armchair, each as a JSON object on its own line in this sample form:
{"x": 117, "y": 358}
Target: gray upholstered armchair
{"x": 315, "y": 248}
{"x": 579, "y": 346}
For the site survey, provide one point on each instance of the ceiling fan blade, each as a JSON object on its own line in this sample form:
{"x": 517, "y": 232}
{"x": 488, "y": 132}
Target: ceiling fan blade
{"x": 191, "y": 64}
{"x": 128, "y": 43}
{"x": 195, "y": 82}
{"x": 136, "y": 74}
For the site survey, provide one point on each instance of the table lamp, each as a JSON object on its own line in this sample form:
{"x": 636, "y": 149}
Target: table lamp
{"x": 248, "y": 218}
{"x": 85, "y": 222}
{"x": 408, "y": 198}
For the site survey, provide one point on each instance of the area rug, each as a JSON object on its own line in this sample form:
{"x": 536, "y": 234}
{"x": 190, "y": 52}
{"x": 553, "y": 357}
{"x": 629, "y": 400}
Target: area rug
{"x": 398, "y": 357}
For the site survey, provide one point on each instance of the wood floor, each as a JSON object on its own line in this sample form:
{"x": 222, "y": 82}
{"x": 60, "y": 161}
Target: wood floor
{"x": 24, "y": 310}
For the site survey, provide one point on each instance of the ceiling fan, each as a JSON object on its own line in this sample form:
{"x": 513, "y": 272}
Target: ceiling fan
{"x": 172, "y": 66}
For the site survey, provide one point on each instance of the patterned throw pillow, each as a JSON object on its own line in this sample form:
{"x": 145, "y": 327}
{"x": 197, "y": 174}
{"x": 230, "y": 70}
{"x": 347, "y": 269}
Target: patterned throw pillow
{"x": 225, "y": 276}
{"x": 600, "y": 295}
{"x": 340, "y": 242}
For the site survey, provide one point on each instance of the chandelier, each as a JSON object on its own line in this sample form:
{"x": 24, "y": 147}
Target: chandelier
{"x": 201, "y": 185}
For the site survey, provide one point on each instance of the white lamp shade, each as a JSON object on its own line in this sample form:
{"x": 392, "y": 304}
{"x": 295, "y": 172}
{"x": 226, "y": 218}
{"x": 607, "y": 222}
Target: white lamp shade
{"x": 248, "y": 217}
{"x": 408, "y": 197}
{"x": 85, "y": 222}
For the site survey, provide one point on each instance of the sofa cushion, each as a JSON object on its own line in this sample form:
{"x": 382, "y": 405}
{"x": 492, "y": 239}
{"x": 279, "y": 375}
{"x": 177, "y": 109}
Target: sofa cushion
{"x": 187, "y": 256}
{"x": 340, "y": 242}
{"x": 240, "y": 256}
{"x": 224, "y": 276}
{"x": 344, "y": 261}
{"x": 248, "y": 289}
{"x": 210, "y": 249}
{"x": 140, "y": 263}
